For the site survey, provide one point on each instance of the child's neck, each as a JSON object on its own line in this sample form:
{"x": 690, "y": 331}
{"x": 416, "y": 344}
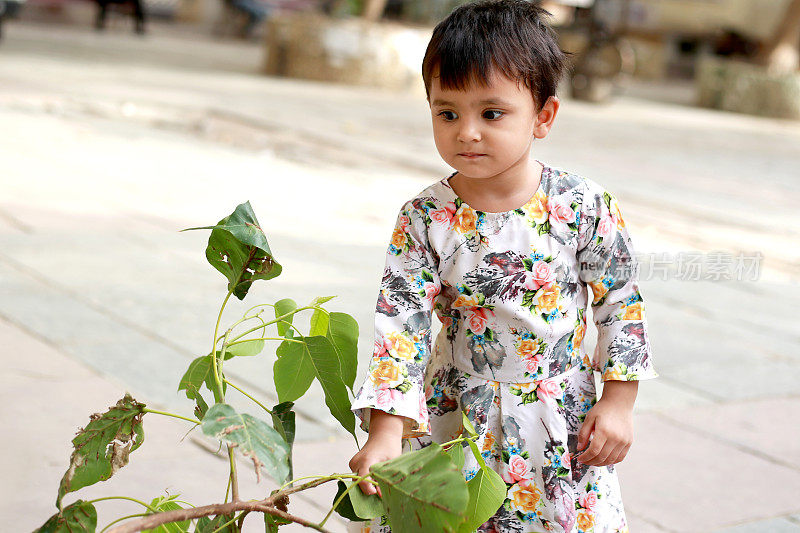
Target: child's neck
{"x": 504, "y": 192}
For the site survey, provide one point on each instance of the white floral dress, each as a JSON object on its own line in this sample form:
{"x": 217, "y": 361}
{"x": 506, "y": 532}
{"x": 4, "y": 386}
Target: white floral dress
{"x": 511, "y": 291}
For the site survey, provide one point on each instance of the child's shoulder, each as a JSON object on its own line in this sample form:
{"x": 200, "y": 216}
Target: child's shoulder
{"x": 434, "y": 196}
{"x": 565, "y": 182}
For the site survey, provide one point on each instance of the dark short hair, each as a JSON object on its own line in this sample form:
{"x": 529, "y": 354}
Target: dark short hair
{"x": 510, "y": 35}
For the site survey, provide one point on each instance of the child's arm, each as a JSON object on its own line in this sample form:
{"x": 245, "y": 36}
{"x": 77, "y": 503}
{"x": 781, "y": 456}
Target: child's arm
{"x": 609, "y": 268}
{"x": 384, "y": 443}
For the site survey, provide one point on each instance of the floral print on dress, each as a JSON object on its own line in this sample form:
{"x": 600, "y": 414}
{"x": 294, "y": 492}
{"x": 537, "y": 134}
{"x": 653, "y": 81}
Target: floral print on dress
{"x": 511, "y": 290}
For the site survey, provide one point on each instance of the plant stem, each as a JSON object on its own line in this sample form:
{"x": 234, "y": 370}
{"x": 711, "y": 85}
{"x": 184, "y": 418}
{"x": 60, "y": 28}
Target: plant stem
{"x": 241, "y": 519}
{"x": 277, "y": 319}
{"x": 226, "y": 524}
{"x": 121, "y": 519}
{"x": 219, "y": 396}
{"x": 243, "y": 392}
{"x": 227, "y": 490}
{"x": 234, "y": 480}
{"x": 124, "y": 498}
{"x": 146, "y": 410}
{"x": 263, "y": 339}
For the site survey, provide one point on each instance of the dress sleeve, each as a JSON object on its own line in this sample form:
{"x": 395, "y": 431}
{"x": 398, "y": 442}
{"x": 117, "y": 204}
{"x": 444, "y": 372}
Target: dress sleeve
{"x": 608, "y": 266}
{"x": 410, "y": 283}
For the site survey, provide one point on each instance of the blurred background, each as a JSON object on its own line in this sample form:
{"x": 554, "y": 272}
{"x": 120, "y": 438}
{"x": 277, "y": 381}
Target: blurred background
{"x": 124, "y": 122}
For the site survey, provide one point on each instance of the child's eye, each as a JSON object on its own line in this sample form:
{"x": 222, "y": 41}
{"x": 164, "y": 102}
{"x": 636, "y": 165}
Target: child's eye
{"x": 447, "y": 115}
{"x": 487, "y": 114}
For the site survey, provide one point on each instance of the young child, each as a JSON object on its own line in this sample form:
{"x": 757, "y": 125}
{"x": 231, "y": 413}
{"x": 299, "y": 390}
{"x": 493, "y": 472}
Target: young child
{"x": 505, "y": 250}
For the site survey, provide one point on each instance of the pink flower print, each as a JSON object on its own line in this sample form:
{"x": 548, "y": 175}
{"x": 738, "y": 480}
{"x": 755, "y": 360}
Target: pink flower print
{"x": 428, "y": 392}
{"x": 518, "y": 470}
{"x": 444, "y": 215}
{"x": 532, "y": 364}
{"x": 381, "y": 349}
{"x": 560, "y": 212}
{"x": 423, "y": 409}
{"x": 549, "y": 389}
{"x": 606, "y": 227}
{"x": 589, "y": 500}
{"x": 386, "y": 397}
{"x": 404, "y": 221}
{"x": 431, "y": 291}
{"x": 477, "y": 318}
{"x": 566, "y": 460}
{"x": 542, "y": 275}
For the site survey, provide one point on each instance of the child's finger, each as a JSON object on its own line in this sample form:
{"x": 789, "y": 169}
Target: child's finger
{"x": 366, "y": 487}
{"x": 585, "y": 431}
{"x": 594, "y": 449}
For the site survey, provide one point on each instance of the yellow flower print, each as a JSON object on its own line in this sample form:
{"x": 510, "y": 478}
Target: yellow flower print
{"x": 585, "y": 519}
{"x": 633, "y": 312}
{"x": 524, "y": 496}
{"x": 488, "y": 441}
{"x": 466, "y": 301}
{"x": 547, "y": 300}
{"x": 617, "y": 214}
{"x": 399, "y": 237}
{"x": 528, "y": 348}
{"x": 387, "y": 373}
{"x": 614, "y": 374}
{"x": 577, "y": 340}
{"x": 598, "y": 289}
{"x": 536, "y": 209}
{"x": 465, "y": 219}
{"x": 400, "y": 346}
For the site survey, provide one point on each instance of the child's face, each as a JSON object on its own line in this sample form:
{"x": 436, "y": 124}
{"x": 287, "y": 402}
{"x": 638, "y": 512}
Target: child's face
{"x": 498, "y": 122}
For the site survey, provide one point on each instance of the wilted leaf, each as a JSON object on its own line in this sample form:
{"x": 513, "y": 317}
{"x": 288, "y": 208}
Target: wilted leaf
{"x": 422, "y": 491}
{"x": 167, "y": 503}
{"x": 283, "y": 422}
{"x": 200, "y": 372}
{"x": 103, "y": 446}
{"x": 255, "y": 439}
{"x": 78, "y": 516}
{"x": 238, "y": 248}
{"x": 357, "y": 506}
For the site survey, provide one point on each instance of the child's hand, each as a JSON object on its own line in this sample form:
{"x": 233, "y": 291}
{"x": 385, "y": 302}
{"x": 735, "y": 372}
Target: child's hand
{"x": 384, "y": 443}
{"x": 611, "y": 421}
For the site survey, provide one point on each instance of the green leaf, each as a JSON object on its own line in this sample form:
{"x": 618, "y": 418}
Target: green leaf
{"x": 319, "y": 300}
{"x": 287, "y": 305}
{"x": 245, "y": 349}
{"x": 422, "y": 491}
{"x": 343, "y": 333}
{"x": 456, "y": 454}
{"x": 273, "y": 522}
{"x": 319, "y": 323}
{"x": 284, "y": 423}
{"x": 468, "y": 427}
{"x": 293, "y": 371}
{"x": 167, "y": 503}
{"x": 103, "y": 446}
{"x": 487, "y": 492}
{"x": 476, "y": 453}
{"x": 207, "y": 525}
{"x": 199, "y": 373}
{"x": 254, "y": 438}
{"x": 316, "y": 358}
{"x": 357, "y": 506}
{"x": 78, "y": 516}
{"x": 238, "y": 248}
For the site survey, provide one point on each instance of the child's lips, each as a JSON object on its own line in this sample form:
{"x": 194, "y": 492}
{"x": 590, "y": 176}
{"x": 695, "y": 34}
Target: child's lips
{"x": 471, "y": 155}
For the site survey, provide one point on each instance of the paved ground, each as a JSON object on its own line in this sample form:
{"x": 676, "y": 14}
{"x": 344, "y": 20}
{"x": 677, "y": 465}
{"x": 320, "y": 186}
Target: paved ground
{"x": 112, "y": 143}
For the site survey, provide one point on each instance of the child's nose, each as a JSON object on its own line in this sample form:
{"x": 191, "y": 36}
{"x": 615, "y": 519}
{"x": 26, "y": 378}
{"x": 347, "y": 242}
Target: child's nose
{"x": 469, "y": 131}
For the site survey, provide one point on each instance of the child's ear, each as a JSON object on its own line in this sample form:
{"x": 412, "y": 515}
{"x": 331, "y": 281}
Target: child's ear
{"x": 546, "y": 117}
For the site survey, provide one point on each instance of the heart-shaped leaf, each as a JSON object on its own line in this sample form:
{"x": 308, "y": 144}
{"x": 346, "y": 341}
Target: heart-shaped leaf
{"x": 343, "y": 333}
{"x": 487, "y": 492}
{"x": 103, "y": 446}
{"x": 238, "y": 248}
{"x": 316, "y": 357}
{"x": 255, "y": 439}
{"x": 287, "y": 305}
{"x": 247, "y": 348}
{"x": 78, "y": 516}
{"x": 422, "y": 491}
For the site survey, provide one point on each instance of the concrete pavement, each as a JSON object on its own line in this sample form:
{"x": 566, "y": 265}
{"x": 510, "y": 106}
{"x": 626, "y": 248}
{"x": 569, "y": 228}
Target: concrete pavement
{"x": 111, "y": 144}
